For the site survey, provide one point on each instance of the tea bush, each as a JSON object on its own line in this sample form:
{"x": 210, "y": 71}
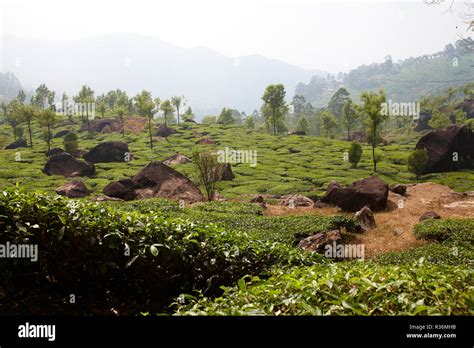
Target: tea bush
{"x": 83, "y": 250}
{"x": 352, "y": 288}
{"x": 446, "y": 229}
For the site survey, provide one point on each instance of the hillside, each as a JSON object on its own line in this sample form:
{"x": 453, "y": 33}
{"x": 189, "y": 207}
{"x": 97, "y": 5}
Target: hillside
{"x": 285, "y": 164}
{"x": 209, "y": 80}
{"x": 405, "y": 80}
{"x": 238, "y": 250}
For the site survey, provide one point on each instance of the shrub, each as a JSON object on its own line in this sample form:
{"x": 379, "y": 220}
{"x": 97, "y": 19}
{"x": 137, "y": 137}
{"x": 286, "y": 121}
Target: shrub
{"x": 436, "y": 253}
{"x": 71, "y": 143}
{"x": 355, "y": 154}
{"x": 83, "y": 246}
{"x": 417, "y": 162}
{"x": 349, "y": 288}
{"x": 461, "y": 230}
{"x": 208, "y": 171}
{"x": 232, "y": 208}
{"x": 18, "y": 132}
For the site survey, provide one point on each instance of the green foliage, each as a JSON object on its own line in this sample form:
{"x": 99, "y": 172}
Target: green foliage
{"x": 85, "y": 243}
{"x": 176, "y": 102}
{"x": 231, "y": 208}
{"x": 371, "y": 107}
{"x": 328, "y": 124}
{"x": 274, "y": 106}
{"x": 18, "y": 132}
{"x": 302, "y": 125}
{"x": 209, "y": 119}
{"x": 168, "y": 112}
{"x": 461, "y": 230}
{"x": 439, "y": 120}
{"x": 351, "y": 288}
{"x": 355, "y": 154}
{"x": 337, "y": 102}
{"x": 207, "y": 170}
{"x": 249, "y": 122}
{"x": 436, "y": 253}
{"x": 226, "y": 117}
{"x": 350, "y": 117}
{"x": 417, "y": 162}
{"x": 71, "y": 144}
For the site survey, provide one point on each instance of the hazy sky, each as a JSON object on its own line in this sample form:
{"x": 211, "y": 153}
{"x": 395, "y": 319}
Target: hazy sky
{"x": 330, "y": 35}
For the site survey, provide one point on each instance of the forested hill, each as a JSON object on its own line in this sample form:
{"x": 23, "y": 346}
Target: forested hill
{"x": 405, "y": 80}
{"x": 9, "y": 86}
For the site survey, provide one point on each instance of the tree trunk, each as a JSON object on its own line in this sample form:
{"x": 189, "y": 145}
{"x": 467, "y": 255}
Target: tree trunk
{"x": 374, "y": 135}
{"x": 29, "y": 131}
{"x": 123, "y": 127}
{"x": 149, "y": 129}
{"x": 88, "y": 124}
{"x": 274, "y": 122}
{"x": 177, "y": 112}
{"x": 49, "y": 137}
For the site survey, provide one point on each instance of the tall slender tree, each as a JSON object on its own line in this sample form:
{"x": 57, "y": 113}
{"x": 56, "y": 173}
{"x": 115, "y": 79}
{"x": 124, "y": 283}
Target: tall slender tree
{"x": 350, "y": 117}
{"x": 145, "y": 106}
{"x": 274, "y": 106}
{"x": 167, "y": 109}
{"x": 372, "y": 109}
{"x": 86, "y": 98}
{"x": 177, "y": 101}
{"x": 121, "y": 109}
{"x": 47, "y": 118}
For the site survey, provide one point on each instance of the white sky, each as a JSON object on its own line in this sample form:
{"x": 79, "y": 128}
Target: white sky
{"x": 330, "y": 35}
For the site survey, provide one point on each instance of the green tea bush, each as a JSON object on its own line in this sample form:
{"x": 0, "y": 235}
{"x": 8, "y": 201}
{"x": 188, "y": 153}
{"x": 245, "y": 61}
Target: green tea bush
{"x": 446, "y": 229}
{"x": 116, "y": 256}
{"x": 230, "y": 208}
{"x": 351, "y": 288}
{"x": 436, "y": 253}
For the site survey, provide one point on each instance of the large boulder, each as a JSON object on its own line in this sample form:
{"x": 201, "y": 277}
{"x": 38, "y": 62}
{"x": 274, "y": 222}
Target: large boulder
{"x": 429, "y": 215}
{"x": 62, "y": 133}
{"x": 318, "y": 242}
{"x": 110, "y": 151}
{"x": 165, "y": 131}
{"x": 66, "y": 165}
{"x": 294, "y": 201}
{"x": 104, "y": 125}
{"x": 123, "y": 189}
{"x": 371, "y": 191}
{"x": 155, "y": 180}
{"x": 225, "y": 172}
{"x": 54, "y": 151}
{"x": 365, "y": 218}
{"x": 449, "y": 149}
{"x": 399, "y": 189}
{"x": 16, "y": 144}
{"x": 73, "y": 189}
{"x": 176, "y": 159}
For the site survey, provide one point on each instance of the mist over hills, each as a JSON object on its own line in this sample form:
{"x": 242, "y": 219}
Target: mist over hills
{"x": 132, "y": 62}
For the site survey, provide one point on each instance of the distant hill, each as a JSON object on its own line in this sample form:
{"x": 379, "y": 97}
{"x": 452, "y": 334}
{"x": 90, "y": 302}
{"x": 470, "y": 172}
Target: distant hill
{"x": 406, "y": 80}
{"x": 9, "y": 86}
{"x": 132, "y": 62}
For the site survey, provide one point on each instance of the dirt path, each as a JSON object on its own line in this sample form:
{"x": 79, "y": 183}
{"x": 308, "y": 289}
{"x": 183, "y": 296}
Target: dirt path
{"x": 395, "y": 224}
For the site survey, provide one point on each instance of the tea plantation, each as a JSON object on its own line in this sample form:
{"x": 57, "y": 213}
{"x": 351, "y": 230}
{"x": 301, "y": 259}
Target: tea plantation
{"x": 221, "y": 258}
